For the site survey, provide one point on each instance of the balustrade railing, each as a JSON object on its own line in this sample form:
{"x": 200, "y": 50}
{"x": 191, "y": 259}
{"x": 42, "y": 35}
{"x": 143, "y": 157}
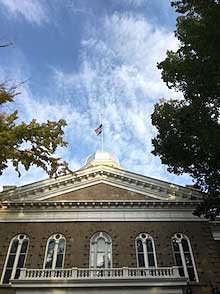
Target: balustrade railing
{"x": 99, "y": 273}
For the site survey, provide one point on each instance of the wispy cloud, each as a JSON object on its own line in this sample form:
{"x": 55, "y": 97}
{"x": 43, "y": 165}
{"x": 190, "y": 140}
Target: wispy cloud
{"x": 136, "y": 3}
{"x": 29, "y": 107}
{"x": 80, "y": 7}
{"x": 32, "y": 11}
{"x": 117, "y": 77}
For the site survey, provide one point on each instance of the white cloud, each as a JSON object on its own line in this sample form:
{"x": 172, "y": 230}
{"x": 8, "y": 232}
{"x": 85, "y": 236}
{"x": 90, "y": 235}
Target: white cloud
{"x": 135, "y": 3}
{"x": 32, "y": 11}
{"x": 118, "y": 76}
{"x": 80, "y": 7}
{"x": 29, "y": 107}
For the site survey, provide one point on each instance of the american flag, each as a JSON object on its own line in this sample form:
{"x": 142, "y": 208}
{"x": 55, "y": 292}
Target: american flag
{"x": 98, "y": 130}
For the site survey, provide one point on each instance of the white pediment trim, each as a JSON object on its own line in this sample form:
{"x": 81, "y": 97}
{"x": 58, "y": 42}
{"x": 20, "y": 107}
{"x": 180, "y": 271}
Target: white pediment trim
{"x": 101, "y": 181}
{"x": 150, "y": 187}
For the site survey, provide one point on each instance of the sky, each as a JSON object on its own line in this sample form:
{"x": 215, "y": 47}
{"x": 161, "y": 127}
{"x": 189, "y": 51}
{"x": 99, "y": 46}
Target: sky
{"x": 79, "y": 59}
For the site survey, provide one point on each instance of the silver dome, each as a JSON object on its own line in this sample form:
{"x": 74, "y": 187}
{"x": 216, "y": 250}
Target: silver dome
{"x": 102, "y": 158}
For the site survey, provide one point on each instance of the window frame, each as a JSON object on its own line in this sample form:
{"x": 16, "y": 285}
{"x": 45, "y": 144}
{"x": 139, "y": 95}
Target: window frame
{"x": 93, "y": 250}
{"x": 183, "y": 259}
{"x": 55, "y": 251}
{"x": 17, "y": 256}
{"x": 145, "y": 252}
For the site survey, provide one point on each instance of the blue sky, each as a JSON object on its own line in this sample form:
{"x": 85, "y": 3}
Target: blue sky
{"x": 80, "y": 58}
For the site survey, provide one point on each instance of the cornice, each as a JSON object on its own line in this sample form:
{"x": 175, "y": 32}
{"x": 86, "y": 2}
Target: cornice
{"x": 166, "y": 285}
{"x": 97, "y": 211}
{"x": 94, "y": 204}
{"x": 64, "y": 184}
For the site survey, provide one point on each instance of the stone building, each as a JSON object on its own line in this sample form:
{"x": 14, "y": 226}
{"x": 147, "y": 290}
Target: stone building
{"x": 105, "y": 230}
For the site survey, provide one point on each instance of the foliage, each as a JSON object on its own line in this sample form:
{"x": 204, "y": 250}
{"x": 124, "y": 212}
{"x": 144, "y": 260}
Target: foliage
{"x": 188, "y": 130}
{"x": 31, "y": 143}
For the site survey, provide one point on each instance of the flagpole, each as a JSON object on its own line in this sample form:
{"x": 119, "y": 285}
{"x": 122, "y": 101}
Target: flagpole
{"x": 102, "y": 134}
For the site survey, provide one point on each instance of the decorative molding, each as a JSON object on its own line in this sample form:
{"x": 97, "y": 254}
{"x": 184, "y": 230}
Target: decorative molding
{"x": 96, "y": 181}
{"x": 67, "y": 211}
{"x": 77, "y": 180}
{"x": 98, "y": 203}
{"x": 160, "y": 286}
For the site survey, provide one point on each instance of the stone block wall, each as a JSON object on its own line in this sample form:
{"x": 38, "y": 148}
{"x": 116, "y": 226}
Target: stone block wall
{"x": 78, "y": 234}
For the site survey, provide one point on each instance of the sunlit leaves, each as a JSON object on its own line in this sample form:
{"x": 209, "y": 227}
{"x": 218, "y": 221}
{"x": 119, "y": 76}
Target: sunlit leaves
{"x": 29, "y": 144}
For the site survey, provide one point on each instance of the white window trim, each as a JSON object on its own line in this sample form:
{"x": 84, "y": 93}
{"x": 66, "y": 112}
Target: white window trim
{"x": 18, "y": 251}
{"x": 93, "y": 247}
{"x": 179, "y": 241}
{"x": 53, "y": 237}
{"x": 145, "y": 250}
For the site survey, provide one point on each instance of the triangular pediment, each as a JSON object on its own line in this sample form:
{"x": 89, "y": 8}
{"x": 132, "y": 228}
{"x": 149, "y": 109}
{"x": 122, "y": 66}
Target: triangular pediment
{"x": 101, "y": 191}
{"x": 100, "y": 183}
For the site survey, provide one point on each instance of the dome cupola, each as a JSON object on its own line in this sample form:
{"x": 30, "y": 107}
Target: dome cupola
{"x": 102, "y": 158}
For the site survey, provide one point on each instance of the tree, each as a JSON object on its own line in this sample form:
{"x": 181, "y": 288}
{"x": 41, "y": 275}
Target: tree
{"x": 31, "y": 143}
{"x": 188, "y": 138}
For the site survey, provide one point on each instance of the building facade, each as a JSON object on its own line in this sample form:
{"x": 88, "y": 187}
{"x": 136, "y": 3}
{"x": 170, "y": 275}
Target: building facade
{"x": 103, "y": 229}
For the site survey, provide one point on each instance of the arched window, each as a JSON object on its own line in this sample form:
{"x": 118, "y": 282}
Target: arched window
{"x": 15, "y": 258}
{"x": 101, "y": 250}
{"x": 145, "y": 250}
{"x": 184, "y": 257}
{"x": 55, "y": 251}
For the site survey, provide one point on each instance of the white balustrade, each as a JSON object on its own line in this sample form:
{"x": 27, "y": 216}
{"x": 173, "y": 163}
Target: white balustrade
{"x": 99, "y": 273}
{"x": 38, "y": 274}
